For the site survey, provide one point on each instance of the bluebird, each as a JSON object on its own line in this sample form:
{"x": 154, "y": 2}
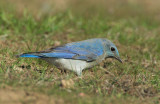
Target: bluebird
{"x": 77, "y": 56}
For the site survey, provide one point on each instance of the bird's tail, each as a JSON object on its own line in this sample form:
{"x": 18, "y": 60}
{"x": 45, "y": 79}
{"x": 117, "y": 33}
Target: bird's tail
{"x": 30, "y": 55}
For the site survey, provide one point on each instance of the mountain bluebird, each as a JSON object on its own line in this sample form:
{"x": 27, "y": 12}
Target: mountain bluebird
{"x": 77, "y": 56}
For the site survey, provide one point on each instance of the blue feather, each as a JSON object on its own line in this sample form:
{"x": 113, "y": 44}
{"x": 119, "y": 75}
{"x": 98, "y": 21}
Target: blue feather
{"x": 58, "y": 55}
{"x": 30, "y": 55}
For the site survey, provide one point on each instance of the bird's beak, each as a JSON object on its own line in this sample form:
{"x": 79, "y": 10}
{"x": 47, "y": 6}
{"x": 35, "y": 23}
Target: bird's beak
{"x": 116, "y": 57}
{"x": 119, "y": 59}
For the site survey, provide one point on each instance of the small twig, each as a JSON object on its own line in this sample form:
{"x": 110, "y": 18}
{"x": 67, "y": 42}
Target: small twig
{"x": 139, "y": 94}
{"x": 107, "y": 71}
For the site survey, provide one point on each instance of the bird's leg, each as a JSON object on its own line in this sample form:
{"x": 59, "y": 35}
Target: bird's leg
{"x": 79, "y": 73}
{"x": 63, "y": 71}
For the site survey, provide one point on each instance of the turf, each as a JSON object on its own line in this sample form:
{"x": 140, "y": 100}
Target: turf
{"x": 30, "y": 81}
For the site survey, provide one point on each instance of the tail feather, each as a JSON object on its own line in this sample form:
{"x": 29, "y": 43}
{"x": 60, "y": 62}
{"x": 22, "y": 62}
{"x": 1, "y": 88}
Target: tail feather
{"x": 31, "y": 55}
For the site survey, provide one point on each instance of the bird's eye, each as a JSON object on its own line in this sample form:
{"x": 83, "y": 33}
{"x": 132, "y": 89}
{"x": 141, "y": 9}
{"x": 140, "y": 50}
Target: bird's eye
{"x": 112, "y": 49}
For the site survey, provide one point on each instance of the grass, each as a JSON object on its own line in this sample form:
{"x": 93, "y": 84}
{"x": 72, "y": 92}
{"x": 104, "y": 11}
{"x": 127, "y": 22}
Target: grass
{"x": 33, "y": 81}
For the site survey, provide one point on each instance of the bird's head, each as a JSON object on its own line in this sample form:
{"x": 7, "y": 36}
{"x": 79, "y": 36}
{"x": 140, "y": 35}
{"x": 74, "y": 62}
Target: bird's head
{"x": 111, "y": 50}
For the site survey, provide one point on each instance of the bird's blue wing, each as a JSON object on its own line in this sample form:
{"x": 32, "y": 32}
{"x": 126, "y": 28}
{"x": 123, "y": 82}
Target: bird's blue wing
{"x": 87, "y": 50}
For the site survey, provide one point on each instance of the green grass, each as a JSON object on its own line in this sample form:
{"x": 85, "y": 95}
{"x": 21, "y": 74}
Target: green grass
{"x": 137, "y": 80}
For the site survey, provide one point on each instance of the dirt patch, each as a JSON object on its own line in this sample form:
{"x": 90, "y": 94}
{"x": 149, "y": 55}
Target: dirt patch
{"x": 18, "y": 96}
{"x": 67, "y": 83}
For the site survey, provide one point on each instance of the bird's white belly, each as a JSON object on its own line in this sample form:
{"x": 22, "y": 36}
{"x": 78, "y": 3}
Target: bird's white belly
{"x": 70, "y": 64}
{"x": 75, "y": 65}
